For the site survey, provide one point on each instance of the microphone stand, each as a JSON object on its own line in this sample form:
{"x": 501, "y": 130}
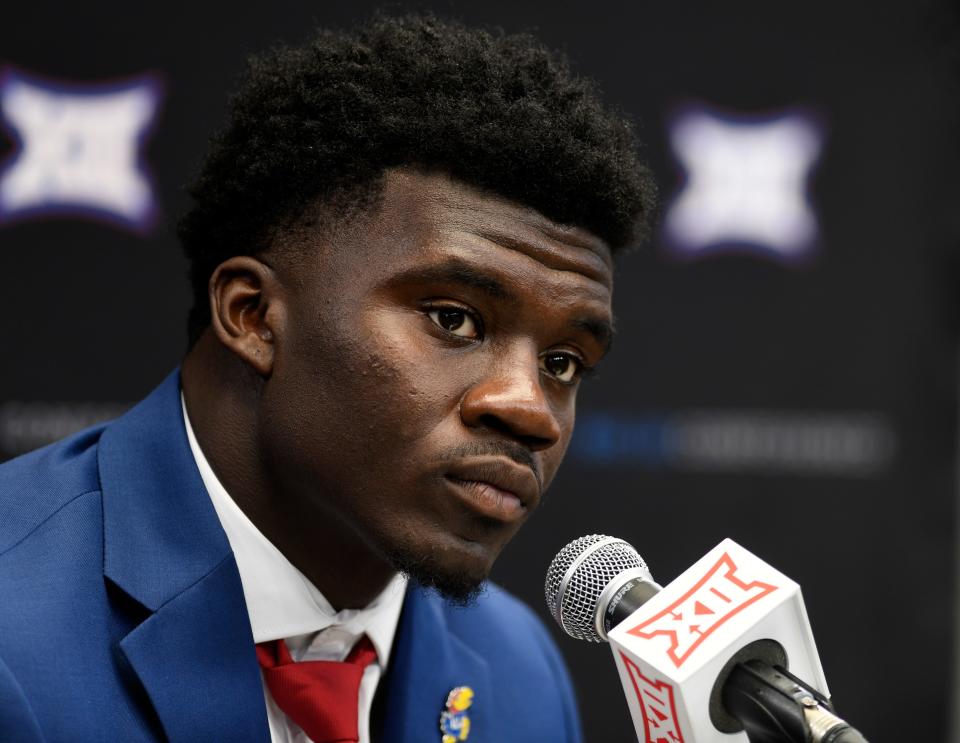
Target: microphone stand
{"x": 774, "y": 706}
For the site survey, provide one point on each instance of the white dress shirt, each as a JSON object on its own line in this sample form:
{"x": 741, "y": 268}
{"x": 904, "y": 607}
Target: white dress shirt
{"x": 283, "y": 604}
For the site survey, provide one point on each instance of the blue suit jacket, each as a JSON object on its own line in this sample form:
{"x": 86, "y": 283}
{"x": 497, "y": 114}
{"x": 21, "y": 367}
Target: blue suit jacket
{"x": 122, "y": 616}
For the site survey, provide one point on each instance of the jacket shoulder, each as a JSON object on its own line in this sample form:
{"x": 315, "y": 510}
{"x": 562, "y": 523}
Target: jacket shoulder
{"x": 506, "y": 620}
{"x": 35, "y": 486}
{"x": 520, "y": 651}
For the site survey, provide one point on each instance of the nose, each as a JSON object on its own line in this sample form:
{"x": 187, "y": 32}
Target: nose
{"x": 511, "y": 400}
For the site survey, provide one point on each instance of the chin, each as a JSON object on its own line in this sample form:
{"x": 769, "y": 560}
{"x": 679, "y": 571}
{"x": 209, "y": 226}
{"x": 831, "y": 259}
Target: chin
{"x": 455, "y": 572}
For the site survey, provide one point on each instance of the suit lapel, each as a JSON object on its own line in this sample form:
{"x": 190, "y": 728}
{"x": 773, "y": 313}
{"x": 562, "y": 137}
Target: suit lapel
{"x": 429, "y": 661}
{"x": 198, "y": 666}
{"x": 164, "y": 547}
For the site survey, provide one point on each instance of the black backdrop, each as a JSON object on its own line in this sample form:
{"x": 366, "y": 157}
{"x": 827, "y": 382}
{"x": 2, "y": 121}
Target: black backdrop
{"x": 807, "y": 411}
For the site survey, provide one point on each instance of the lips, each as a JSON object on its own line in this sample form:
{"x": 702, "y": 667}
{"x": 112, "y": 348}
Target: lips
{"x": 498, "y": 488}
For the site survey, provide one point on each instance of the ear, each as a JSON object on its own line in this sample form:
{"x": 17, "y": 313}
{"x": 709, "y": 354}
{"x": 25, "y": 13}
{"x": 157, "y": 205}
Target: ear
{"x": 247, "y": 310}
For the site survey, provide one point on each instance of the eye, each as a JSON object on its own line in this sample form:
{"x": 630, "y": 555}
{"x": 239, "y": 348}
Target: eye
{"x": 565, "y": 367}
{"x": 456, "y": 321}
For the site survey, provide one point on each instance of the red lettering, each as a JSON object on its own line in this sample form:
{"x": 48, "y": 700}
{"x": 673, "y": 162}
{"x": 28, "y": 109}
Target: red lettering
{"x": 657, "y": 705}
{"x": 720, "y": 582}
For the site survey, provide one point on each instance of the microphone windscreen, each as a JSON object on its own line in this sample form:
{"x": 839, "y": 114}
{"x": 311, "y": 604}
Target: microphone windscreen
{"x": 578, "y": 576}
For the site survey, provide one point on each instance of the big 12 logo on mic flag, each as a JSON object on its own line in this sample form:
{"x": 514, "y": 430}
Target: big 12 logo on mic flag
{"x": 719, "y": 595}
{"x": 657, "y": 704}
{"x": 671, "y": 650}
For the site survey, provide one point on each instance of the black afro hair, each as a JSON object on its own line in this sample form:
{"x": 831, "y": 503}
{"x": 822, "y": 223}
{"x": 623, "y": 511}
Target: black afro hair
{"x": 312, "y": 123}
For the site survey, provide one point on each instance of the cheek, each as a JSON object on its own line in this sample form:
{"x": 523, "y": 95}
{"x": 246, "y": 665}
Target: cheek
{"x": 376, "y": 385}
{"x": 416, "y": 382}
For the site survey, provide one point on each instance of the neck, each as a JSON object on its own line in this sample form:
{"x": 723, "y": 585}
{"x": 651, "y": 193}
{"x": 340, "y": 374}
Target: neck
{"x": 221, "y": 396}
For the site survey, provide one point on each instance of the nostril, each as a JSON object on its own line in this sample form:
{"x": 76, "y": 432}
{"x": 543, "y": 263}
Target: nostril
{"x": 494, "y": 423}
{"x": 532, "y": 441}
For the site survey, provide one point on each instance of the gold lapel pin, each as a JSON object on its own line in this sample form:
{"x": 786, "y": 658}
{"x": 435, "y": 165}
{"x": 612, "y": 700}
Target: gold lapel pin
{"x": 454, "y": 721}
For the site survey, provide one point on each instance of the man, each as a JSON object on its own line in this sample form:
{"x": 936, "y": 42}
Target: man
{"x": 401, "y": 256}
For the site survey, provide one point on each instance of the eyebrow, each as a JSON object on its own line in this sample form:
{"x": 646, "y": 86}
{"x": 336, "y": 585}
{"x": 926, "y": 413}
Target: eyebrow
{"x": 456, "y": 271}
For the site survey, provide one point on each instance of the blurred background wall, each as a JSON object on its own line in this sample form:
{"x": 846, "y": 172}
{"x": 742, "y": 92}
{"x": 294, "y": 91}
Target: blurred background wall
{"x": 786, "y": 367}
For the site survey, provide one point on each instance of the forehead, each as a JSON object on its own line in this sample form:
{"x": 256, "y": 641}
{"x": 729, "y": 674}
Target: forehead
{"x": 424, "y": 215}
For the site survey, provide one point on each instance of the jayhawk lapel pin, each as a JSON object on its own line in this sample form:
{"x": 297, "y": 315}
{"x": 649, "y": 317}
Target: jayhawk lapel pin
{"x": 454, "y": 721}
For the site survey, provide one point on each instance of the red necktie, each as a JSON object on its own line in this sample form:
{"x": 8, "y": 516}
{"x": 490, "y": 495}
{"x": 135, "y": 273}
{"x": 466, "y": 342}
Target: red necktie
{"x": 319, "y": 695}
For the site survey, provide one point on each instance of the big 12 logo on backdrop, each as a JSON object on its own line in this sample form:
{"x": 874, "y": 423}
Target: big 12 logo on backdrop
{"x": 78, "y": 149}
{"x": 745, "y": 184}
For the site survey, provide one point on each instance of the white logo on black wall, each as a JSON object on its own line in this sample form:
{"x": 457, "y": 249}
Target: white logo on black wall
{"x": 745, "y": 185}
{"x": 78, "y": 149}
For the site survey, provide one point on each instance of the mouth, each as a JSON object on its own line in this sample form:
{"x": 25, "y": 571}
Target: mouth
{"x": 496, "y": 488}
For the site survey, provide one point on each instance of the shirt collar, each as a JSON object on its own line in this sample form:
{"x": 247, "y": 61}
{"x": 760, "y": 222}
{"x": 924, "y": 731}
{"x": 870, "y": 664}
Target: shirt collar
{"x": 281, "y": 601}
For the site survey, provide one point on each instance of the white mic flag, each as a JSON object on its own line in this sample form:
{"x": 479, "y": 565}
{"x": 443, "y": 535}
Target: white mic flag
{"x": 671, "y": 651}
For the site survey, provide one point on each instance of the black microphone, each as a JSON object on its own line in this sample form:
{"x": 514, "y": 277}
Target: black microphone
{"x": 726, "y": 625}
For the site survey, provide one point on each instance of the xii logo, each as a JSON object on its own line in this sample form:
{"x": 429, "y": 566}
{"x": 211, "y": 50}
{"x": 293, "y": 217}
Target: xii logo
{"x": 746, "y": 183}
{"x": 660, "y": 722}
{"x": 715, "y": 598}
{"x": 78, "y": 149}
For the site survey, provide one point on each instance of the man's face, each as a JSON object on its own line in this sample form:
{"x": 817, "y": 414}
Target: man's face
{"x": 424, "y": 384}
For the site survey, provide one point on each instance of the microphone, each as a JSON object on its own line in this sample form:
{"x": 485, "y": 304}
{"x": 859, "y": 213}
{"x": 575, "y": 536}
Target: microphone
{"x": 706, "y": 659}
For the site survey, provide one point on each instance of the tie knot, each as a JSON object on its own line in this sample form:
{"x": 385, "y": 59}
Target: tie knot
{"x": 320, "y": 696}
{"x": 274, "y": 653}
